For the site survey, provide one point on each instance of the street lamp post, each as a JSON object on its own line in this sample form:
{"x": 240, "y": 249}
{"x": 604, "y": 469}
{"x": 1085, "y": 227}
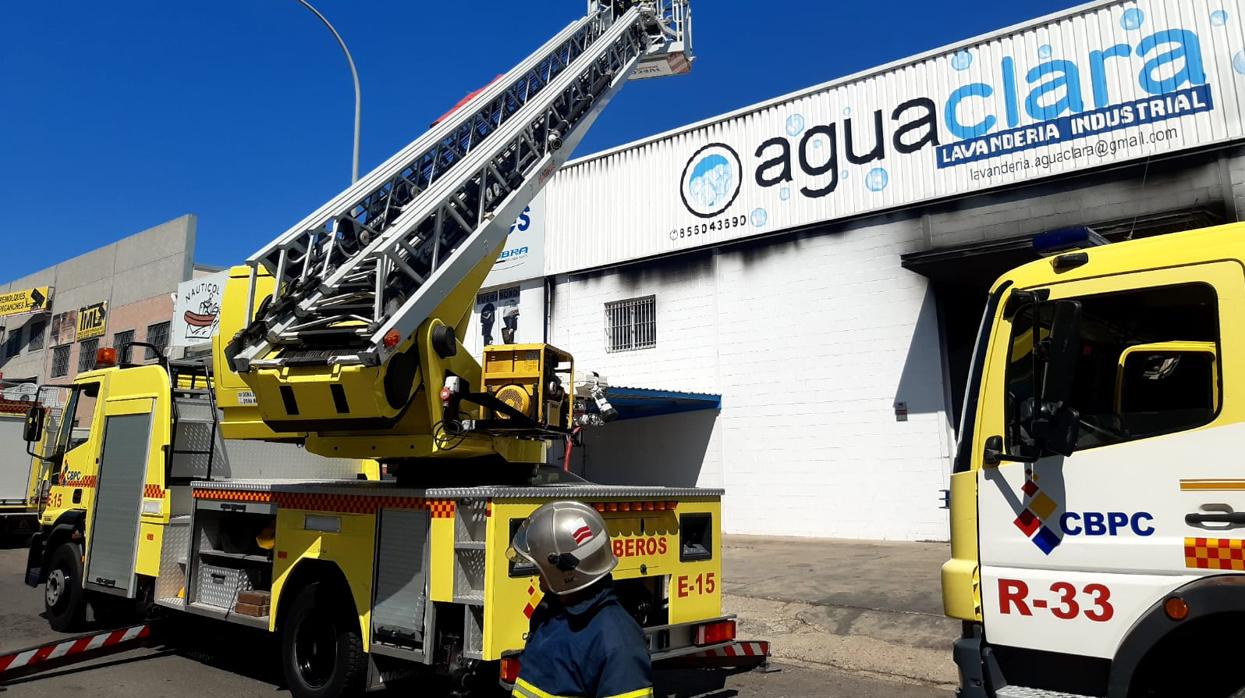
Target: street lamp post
{"x": 358, "y": 98}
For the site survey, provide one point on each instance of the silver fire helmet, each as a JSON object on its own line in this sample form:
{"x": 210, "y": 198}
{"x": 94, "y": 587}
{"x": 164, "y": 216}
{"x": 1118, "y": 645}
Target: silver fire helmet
{"x": 569, "y": 543}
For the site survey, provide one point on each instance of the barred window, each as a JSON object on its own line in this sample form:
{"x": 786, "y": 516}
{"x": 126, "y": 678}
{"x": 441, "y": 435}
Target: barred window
{"x": 60, "y": 361}
{"x": 158, "y": 335}
{"x": 631, "y": 324}
{"x": 13, "y": 346}
{"x": 86, "y": 354}
{"x": 38, "y": 328}
{"x": 120, "y": 339}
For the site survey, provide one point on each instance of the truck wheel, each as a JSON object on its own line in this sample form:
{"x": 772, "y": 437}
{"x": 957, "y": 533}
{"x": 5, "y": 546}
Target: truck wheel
{"x": 321, "y": 646}
{"x": 63, "y": 599}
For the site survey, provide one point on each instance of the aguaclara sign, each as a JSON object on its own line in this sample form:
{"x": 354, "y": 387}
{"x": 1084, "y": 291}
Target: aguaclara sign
{"x": 1004, "y": 117}
{"x": 1116, "y": 82}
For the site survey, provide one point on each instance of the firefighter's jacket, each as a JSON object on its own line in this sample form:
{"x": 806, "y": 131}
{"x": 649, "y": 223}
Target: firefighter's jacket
{"x": 592, "y": 649}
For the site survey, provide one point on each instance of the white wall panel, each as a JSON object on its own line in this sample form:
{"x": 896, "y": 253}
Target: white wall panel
{"x": 810, "y": 342}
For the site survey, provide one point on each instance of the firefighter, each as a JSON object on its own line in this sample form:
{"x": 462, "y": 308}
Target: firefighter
{"x": 582, "y": 642}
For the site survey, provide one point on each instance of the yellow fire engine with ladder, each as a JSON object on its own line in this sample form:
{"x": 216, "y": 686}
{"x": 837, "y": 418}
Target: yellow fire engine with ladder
{"x": 249, "y": 488}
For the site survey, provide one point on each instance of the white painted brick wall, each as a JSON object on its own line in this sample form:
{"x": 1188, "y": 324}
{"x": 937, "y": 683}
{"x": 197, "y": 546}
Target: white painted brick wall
{"x": 807, "y": 341}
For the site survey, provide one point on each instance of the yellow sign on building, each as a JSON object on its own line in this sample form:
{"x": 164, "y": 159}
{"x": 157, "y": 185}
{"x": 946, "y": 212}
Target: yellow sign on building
{"x": 31, "y": 300}
{"x": 92, "y": 320}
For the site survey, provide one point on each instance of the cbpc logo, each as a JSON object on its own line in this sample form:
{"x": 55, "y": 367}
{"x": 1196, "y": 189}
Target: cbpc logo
{"x": 711, "y": 180}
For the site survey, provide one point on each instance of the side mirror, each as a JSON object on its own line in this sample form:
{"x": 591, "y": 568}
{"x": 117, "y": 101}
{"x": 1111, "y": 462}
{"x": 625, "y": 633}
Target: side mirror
{"x": 995, "y": 454}
{"x": 1062, "y": 350}
{"x": 1058, "y": 433}
{"x": 32, "y": 432}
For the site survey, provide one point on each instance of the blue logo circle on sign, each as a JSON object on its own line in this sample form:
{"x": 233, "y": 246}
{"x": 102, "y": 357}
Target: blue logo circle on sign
{"x": 711, "y": 180}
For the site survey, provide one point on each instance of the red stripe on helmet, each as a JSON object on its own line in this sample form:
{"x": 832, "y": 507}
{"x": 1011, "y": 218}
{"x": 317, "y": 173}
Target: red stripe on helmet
{"x": 583, "y": 535}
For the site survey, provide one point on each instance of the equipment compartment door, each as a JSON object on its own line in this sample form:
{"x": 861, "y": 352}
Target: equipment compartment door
{"x": 402, "y": 578}
{"x": 113, "y": 536}
{"x": 1074, "y": 550}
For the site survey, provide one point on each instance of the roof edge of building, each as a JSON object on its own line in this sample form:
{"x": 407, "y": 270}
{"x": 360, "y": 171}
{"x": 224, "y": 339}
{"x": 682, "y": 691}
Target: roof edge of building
{"x": 838, "y": 82}
{"x": 192, "y": 222}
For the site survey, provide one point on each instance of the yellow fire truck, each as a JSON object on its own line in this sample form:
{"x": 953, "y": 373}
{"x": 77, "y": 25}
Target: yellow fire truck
{"x": 248, "y": 488}
{"x": 1098, "y": 497}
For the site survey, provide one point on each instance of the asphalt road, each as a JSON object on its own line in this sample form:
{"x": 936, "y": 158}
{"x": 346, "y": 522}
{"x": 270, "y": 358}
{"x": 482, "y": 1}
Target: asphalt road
{"x": 211, "y": 658}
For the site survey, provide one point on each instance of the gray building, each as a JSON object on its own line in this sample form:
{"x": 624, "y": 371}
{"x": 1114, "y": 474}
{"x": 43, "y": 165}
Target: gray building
{"x": 118, "y": 293}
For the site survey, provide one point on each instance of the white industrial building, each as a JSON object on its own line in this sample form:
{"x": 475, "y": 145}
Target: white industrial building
{"x": 810, "y": 272}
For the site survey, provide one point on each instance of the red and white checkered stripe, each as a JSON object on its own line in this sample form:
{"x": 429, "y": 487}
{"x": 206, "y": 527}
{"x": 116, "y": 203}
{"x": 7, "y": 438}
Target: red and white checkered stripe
{"x": 80, "y": 645}
{"x": 738, "y": 650}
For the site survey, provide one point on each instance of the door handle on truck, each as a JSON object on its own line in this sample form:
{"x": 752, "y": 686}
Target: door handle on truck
{"x": 1234, "y": 518}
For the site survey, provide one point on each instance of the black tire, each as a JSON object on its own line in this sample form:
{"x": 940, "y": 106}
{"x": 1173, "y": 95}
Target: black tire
{"x": 321, "y": 646}
{"x": 63, "y": 598}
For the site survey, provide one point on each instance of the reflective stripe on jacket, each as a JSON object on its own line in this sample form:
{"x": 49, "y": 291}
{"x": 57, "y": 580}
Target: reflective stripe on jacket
{"x": 527, "y": 690}
{"x": 591, "y": 649}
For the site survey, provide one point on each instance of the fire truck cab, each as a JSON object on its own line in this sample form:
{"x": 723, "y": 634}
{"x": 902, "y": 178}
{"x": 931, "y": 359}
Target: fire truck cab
{"x": 1098, "y": 497}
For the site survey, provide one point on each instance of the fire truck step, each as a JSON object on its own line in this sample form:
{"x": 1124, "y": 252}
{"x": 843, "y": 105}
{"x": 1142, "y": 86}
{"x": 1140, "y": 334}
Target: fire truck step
{"x": 70, "y": 650}
{"x": 1023, "y": 692}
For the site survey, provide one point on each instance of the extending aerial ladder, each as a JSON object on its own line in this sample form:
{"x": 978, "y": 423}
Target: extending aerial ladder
{"x": 370, "y": 294}
{"x": 344, "y": 335}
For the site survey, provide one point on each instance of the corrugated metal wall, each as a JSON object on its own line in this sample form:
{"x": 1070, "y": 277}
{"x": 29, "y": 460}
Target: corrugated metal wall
{"x": 1115, "y": 82}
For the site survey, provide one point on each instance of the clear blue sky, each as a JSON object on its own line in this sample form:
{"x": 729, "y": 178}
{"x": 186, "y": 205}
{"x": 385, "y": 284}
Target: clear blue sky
{"x": 116, "y": 116}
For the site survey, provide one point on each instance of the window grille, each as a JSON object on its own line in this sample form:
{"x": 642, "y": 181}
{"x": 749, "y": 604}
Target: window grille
{"x": 120, "y": 339}
{"x": 86, "y": 354}
{"x": 631, "y": 324}
{"x": 13, "y": 346}
{"x": 38, "y": 328}
{"x": 158, "y": 335}
{"x": 60, "y": 362}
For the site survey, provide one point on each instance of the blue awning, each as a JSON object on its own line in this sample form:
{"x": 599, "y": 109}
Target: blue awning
{"x": 634, "y": 403}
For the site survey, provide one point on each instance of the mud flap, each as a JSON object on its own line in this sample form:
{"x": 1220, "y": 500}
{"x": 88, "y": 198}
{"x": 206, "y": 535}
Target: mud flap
{"x": 979, "y": 671}
{"x": 34, "y": 561}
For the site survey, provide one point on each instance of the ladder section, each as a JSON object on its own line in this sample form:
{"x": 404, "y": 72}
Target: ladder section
{"x": 356, "y": 278}
{"x": 196, "y": 443}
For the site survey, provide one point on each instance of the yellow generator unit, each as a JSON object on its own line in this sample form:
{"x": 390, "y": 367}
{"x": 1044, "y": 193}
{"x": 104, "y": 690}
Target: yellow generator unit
{"x": 532, "y": 379}
{"x": 525, "y": 392}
